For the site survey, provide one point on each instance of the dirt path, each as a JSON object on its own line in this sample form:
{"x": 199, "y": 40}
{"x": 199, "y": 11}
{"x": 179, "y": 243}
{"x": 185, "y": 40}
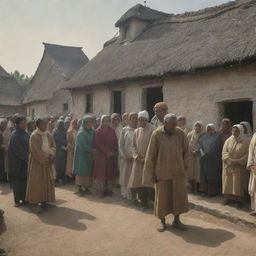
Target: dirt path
{"x": 93, "y": 226}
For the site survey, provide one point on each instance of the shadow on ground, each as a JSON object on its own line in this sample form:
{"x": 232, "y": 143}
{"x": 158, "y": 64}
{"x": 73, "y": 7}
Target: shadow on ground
{"x": 65, "y": 217}
{"x": 203, "y": 236}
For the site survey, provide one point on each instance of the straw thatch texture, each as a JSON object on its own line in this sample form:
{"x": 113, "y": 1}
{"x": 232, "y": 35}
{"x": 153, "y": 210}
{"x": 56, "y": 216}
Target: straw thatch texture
{"x": 58, "y": 64}
{"x": 10, "y": 90}
{"x": 184, "y": 43}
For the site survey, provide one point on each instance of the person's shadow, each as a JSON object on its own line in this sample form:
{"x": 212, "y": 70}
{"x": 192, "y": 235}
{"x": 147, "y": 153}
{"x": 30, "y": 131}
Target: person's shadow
{"x": 65, "y": 217}
{"x": 204, "y": 236}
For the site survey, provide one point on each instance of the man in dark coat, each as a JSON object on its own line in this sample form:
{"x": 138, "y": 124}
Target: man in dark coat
{"x": 3, "y": 176}
{"x": 18, "y": 160}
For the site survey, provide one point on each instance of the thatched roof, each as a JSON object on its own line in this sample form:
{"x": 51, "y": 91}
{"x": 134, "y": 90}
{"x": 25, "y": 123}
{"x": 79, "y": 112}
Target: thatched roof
{"x": 58, "y": 64}
{"x": 10, "y": 90}
{"x": 212, "y": 37}
{"x": 142, "y": 13}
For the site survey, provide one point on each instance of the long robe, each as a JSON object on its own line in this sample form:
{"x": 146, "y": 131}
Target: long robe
{"x": 71, "y": 142}
{"x": 83, "y": 160}
{"x": 156, "y": 122}
{"x": 141, "y": 140}
{"x": 167, "y": 159}
{"x": 235, "y": 176}
{"x": 61, "y": 154}
{"x": 18, "y": 153}
{"x": 126, "y": 150}
{"x": 40, "y": 184}
{"x": 252, "y": 164}
{"x": 2, "y": 158}
{"x": 6, "y": 136}
{"x": 211, "y": 162}
{"x": 105, "y": 142}
{"x": 193, "y": 160}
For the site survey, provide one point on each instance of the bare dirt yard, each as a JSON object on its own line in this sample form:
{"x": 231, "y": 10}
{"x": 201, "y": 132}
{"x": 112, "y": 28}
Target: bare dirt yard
{"x": 91, "y": 226}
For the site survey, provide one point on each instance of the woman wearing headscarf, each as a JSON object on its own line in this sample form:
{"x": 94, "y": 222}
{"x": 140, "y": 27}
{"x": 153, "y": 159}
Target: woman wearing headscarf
{"x": 247, "y": 131}
{"x": 138, "y": 180}
{"x": 225, "y": 129}
{"x": 83, "y": 159}
{"x": 40, "y": 183}
{"x": 235, "y": 176}
{"x": 126, "y": 154}
{"x": 71, "y": 140}
{"x": 59, "y": 135}
{"x": 105, "y": 164}
{"x": 18, "y": 160}
{"x": 194, "y": 156}
{"x": 211, "y": 162}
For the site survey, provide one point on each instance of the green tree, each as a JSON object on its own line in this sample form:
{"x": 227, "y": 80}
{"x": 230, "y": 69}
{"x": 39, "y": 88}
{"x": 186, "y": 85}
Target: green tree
{"x": 22, "y": 79}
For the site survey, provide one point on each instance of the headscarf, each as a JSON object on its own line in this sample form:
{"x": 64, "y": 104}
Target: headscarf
{"x": 170, "y": 117}
{"x": 85, "y": 119}
{"x": 212, "y": 126}
{"x": 143, "y": 114}
{"x": 161, "y": 105}
{"x": 73, "y": 125}
{"x": 59, "y": 123}
{"x": 241, "y": 132}
{"x": 102, "y": 119}
{"x": 228, "y": 131}
{"x": 248, "y": 128}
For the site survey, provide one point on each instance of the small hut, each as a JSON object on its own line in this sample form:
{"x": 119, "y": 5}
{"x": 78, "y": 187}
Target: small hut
{"x": 10, "y": 95}
{"x": 58, "y": 64}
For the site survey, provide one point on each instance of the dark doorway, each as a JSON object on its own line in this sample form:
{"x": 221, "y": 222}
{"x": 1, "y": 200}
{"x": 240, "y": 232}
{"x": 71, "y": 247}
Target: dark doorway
{"x": 153, "y": 95}
{"x": 89, "y": 103}
{"x": 239, "y": 111}
{"x": 117, "y": 102}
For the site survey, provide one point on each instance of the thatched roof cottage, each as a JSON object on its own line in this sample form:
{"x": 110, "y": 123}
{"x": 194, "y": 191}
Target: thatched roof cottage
{"x": 10, "y": 95}
{"x": 203, "y": 64}
{"x": 58, "y": 64}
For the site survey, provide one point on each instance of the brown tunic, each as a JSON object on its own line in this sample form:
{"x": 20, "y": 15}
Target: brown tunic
{"x": 235, "y": 177}
{"x": 40, "y": 186}
{"x": 167, "y": 159}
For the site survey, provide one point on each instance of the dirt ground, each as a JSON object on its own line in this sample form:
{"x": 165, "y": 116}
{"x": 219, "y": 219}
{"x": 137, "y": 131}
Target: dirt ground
{"x": 111, "y": 226}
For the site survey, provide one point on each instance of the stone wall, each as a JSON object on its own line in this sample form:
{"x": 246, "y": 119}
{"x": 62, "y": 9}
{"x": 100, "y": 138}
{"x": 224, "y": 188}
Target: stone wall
{"x": 6, "y": 111}
{"x": 198, "y": 96}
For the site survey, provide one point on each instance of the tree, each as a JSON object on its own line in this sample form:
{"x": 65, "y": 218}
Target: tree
{"x": 22, "y": 79}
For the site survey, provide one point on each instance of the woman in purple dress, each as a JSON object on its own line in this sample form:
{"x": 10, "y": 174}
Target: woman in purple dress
{"x": 105, "y": 166}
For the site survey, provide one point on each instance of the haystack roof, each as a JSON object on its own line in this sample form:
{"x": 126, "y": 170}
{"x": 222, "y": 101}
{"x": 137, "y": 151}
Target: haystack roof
{"x": 142, "y": 13}
{"x": 52, "y": 75}
{"x": 10, "y": 90}
{"x": 212, "y": 37}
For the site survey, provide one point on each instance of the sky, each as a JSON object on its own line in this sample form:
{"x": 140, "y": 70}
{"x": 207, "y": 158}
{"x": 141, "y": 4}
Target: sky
{"x": 25, "y": 24}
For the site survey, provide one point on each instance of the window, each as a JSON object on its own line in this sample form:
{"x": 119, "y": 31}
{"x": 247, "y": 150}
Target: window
{"x": 117, "y": 102}
{"x": 65, "y": 107}
{"x": 33, "y": 113}
{"x": 88, "y": 103}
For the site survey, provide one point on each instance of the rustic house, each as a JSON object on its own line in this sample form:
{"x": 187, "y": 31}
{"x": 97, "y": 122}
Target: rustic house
{"x": 58, "y": 64}
{"x": 203, "y": 64}
{"x": 10, "y": 95}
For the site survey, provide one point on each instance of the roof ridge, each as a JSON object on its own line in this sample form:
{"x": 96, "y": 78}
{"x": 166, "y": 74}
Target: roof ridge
{"x": 61, "y": 46}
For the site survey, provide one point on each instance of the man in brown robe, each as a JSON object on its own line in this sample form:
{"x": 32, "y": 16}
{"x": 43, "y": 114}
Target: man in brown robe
{"x": 166, "y": 161}
{"x": 40, "y": 184}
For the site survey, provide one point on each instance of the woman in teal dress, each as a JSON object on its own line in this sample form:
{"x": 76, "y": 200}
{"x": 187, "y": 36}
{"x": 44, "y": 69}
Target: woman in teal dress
{"x": 83, "y": 160}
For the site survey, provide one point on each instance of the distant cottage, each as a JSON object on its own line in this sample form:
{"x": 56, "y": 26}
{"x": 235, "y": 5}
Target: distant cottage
{"x": 10, "y": 95}
{"x": 203, "y": 64}
{"x": 58, "y": 64}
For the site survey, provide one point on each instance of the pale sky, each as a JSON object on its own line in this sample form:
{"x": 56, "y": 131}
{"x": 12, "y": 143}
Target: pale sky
{"x": 25, "y": 24}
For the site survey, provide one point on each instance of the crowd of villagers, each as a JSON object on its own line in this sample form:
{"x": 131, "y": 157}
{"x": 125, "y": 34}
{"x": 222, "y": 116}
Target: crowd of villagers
{"x": 152, "y": 161}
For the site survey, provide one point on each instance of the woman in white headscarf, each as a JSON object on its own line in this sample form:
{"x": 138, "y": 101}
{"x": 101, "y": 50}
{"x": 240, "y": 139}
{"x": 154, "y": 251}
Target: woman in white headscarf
{"x": 211, "y": 164}
{"x": 247, "y": 131}
{"x": 141, "y": 140}
{"x": 194, "y": 156}
{"x": 235, "y": 175}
